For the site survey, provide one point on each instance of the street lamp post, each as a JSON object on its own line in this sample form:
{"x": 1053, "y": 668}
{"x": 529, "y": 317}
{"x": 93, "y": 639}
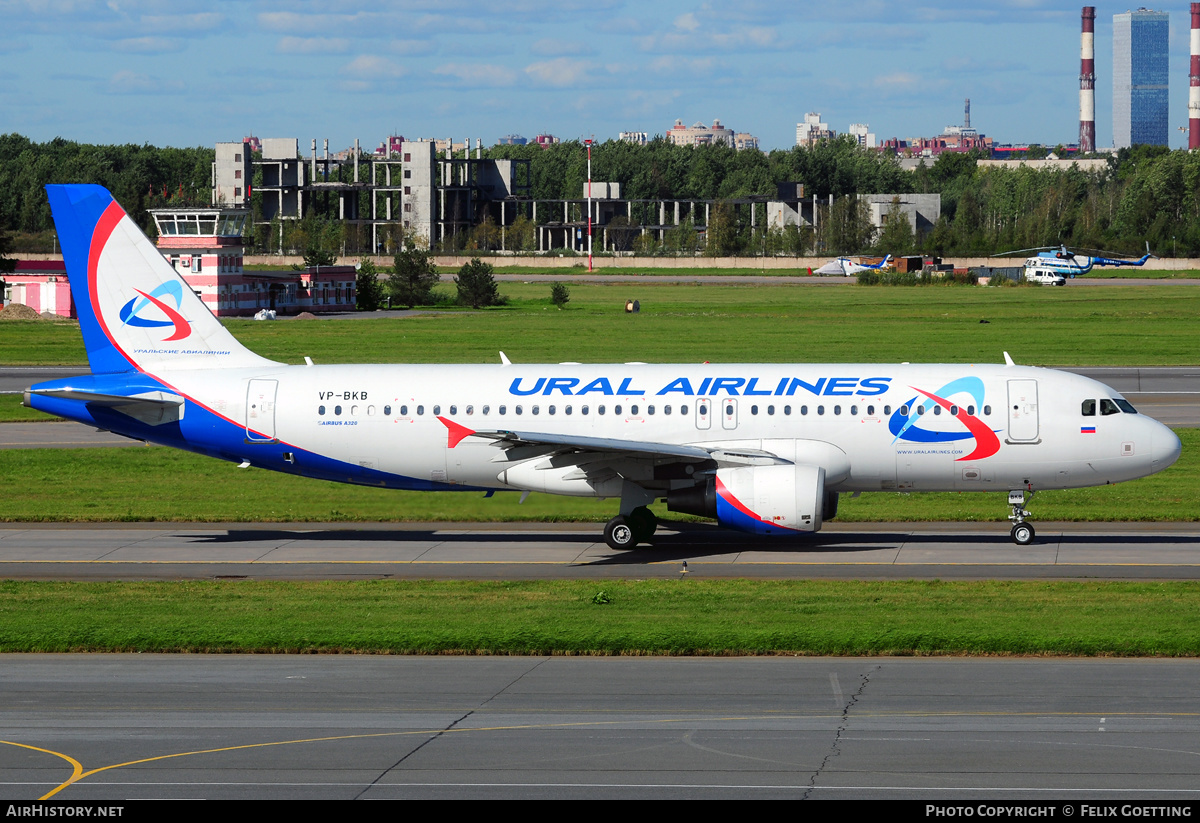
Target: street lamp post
{"x": 588, "y": 143}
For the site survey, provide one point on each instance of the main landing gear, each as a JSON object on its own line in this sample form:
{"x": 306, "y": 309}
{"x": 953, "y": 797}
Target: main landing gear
{"x": 625, "y": 531}
{"x": 1022, "y": 533}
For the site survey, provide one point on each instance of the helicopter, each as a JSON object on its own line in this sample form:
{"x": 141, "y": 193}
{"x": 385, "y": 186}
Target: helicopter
{"x": 1066, "y": 263}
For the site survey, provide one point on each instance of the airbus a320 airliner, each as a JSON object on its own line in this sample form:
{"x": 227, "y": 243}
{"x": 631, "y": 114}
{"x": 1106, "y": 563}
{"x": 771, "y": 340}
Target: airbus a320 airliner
{"x": 763, "y": 448}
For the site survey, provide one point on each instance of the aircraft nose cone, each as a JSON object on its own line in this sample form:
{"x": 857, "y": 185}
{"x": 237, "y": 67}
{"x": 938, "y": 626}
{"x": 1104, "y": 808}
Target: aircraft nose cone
{"x": 1165, "y": 448}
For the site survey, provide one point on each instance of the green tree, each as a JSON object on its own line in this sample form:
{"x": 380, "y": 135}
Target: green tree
{"x": 320, "y": 239}
{"x": 847, "y": 228}
{"x": 896, "y": 236}
{"x": 7, "y": 264}
{"x": 486, "y": 235}
{"x": 721, "y": 233}
{"x": 560, "y": 295}
{"x": 413, "y": 276}
{"x": 621, "y": 233}
{"x": 476, "y": 285}
{"x": 367, "y": 288}
{"x": 521, "y": 235}
{"x": 682, "y": 238}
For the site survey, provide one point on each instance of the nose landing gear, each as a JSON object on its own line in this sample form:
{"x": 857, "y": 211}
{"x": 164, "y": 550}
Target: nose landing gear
{"x": 1022, "y": 533}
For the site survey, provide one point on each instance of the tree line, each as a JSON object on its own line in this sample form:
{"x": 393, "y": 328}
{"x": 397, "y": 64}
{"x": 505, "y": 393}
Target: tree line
{"x": 1143, "y": 194}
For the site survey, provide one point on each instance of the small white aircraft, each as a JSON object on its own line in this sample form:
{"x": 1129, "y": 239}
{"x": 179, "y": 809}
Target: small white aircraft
{"x": 848, "y": 268}
{"x": 765, "y": 448}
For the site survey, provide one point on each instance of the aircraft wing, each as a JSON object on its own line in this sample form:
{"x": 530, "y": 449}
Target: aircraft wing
{"x": 518, "y": 445}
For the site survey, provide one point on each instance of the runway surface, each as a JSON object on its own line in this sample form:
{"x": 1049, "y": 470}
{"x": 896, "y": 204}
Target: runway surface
{"x": 505, "y": 551}
{"x": 312, "y": 727}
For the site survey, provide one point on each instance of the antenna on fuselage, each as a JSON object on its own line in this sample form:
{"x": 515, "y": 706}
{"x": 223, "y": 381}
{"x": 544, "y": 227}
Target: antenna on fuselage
{"x": 504, "y": 361}
{"x": 1008, "y": 361}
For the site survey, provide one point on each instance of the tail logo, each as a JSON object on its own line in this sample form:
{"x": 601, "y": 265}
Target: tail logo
{"x": 986, "y": 442}
{"x": 132, "y": 312}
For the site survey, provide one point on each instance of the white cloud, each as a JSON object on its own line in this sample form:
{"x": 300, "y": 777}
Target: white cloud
{"x": 313, "y": 45}
{"x": 900, "y": 80}
{"x": 131, "y": 82}
{"x": 413, "y": 47}
{"x": 557, "y": 47}
{"x": 478, "y": 74}
{"x": 687, "y": 22}
{"x": 370, "y": 65}
{"x": 561, "y": 71}
{"x": 148, "y": 45}
{"x": 176, "y": 23}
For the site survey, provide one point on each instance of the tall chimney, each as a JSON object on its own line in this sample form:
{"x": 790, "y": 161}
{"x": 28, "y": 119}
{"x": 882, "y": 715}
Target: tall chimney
{"x": 1194, "y": 83}
{"x": 967, "y": 113}
{"x": 1087, "y": 81}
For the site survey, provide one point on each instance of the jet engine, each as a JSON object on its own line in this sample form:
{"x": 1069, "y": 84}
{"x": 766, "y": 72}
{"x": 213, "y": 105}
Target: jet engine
{"x": 761, "y": 499}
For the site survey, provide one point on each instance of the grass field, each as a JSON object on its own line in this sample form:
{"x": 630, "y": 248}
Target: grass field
{"x": 1143, "y": 325}
{"x": 161, "y": 484}
{"x": 685, "y": 617}
{"x": 1100, "y": 326}
{"x": 684, "y": 323}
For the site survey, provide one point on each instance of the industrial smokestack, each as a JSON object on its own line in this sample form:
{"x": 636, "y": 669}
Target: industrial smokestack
{"x": 1087, "y": 81}
{"x": 1194, "y": 83}
{"x": 967, "y": 113}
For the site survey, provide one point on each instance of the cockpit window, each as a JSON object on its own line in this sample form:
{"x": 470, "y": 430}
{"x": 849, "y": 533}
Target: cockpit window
{"x": 1089, "y": 408}
{"x": 1108, "y": 406}
{"x": 1125, "y": 405}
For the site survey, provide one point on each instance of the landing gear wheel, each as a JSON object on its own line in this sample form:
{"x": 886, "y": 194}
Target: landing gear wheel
{"x": 619, "y": 534}
{"x": 1023, "y": 534}
{"x": 643, "y": 522}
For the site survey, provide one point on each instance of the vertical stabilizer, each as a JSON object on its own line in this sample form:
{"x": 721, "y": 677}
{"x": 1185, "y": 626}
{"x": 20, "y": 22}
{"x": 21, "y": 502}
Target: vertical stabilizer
{"x": 135, "y": 311}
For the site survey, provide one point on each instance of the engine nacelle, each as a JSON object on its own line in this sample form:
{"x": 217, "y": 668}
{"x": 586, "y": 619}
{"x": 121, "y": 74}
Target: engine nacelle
{"x": 761, "y": 499}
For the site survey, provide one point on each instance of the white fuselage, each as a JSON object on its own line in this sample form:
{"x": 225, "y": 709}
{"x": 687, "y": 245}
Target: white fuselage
{"x": 389, "y": 419}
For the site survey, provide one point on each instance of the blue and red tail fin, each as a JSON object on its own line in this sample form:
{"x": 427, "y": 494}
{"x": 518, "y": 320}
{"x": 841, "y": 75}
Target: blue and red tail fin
{"x": 135, "y": 311}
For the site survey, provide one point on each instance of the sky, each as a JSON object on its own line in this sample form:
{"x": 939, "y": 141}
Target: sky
{"x": 198, "y": 72}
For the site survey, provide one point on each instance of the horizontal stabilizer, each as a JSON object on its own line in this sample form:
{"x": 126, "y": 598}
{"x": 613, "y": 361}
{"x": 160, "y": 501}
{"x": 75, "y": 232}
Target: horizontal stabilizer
{"x": 151, "y": 408}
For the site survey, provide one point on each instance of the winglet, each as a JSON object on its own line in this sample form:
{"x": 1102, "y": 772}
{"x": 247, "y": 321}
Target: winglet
{"x": 1008, "y": 361}
{"x": 454, "y": 432}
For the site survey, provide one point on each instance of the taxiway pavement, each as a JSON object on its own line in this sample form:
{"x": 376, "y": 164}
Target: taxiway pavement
{"x": 505, "y": 551}
{"x": 974, "y": 731}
